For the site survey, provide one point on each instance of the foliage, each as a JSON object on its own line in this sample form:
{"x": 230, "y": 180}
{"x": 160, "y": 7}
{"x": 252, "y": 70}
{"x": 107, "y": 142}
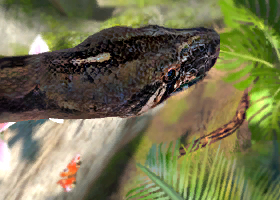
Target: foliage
{"x": 131, "y": 13}
{"x": 251, "y": 49}
{"x": 166, "y": 178}
{"x": 133, "y": 18}
{"x": 61, "y": 37}
{"x": 29, "y": 6}
{"x": 19, "y": 49}
{"x": 140, "y": 3}
{"x": 64, "y": 40}
{"x": 262, "y": 154}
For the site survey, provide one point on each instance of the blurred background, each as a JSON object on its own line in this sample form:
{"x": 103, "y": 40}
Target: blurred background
{"x": 196, "y": 112}
{"x": 21, "y": 20}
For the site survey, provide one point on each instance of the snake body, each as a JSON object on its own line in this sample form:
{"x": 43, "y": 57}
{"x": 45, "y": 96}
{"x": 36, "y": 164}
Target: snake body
{"x": 117, "y": 72}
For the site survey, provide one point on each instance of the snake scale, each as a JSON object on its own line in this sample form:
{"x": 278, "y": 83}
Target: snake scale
{"x": 117, "y": 72}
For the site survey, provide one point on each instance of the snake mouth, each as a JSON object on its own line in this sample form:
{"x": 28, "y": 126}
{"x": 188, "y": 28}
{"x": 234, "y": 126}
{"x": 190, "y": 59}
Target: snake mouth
{"x": 172, "y": 90}
{"x": 187, "y": 79}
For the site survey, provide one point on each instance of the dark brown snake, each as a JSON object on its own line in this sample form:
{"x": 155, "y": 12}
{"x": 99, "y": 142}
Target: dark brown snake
{"x": 117, "y": 72}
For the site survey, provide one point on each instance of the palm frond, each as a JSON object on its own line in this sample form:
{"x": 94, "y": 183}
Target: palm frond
{"x": 224, "y": 179}
{"x": 265, "y": 10}
{"x": 251, "y": 49}
{"x": 251, "y": 12}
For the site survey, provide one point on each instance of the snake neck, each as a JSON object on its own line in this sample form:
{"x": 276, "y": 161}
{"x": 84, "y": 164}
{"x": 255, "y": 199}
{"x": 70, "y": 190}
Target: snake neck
{"x": 19, "y": 75}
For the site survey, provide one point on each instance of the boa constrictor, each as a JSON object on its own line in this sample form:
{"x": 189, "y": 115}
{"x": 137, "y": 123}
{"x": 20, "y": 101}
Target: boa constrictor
{"x": 117, "y": 72}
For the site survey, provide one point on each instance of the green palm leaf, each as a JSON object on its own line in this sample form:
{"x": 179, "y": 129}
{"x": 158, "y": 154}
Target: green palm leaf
{"x": 264, "y": 10}
{"x": 224, "y": 178}
{"x": 252, "y": 51}
{"x": 251, "y": 12}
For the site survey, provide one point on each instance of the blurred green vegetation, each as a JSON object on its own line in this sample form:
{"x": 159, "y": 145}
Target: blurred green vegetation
{"x": 142, "y": 3}
{"x": 66, "y": 32}
{"x": 60, "y": 37}
{"x": 134, "y": 18}
{"x": 20, "y": 49}
{"x": 173, "y": 111}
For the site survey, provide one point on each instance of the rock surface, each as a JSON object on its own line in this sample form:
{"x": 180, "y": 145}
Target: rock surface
{"x": 41, "y": 149}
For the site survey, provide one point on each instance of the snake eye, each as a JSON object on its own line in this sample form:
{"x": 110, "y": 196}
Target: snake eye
{"x": 170, "y": 75}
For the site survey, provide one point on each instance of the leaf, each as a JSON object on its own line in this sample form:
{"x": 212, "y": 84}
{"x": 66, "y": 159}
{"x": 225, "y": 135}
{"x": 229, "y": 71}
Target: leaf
{"x": 237, "y": 12}
{"x": 253, "y": 43}
{"x": 242, "y": 85}
{"x": 263, "y": 115}
{"x": 265, "y": 11}
{"x": 240, "y": 56}
{"x": 202, "y": 174}
{"x": 225, "y": 179}
{"x": 194, "y": 184}
{"x": 214, "y": 175}
{"x": 170, "y": 192}
{"x": 174, "y": 168}
{"x": 134, "y": 190}
{"x": 237, "y": 75}
{"x": 265, "y": 71}
{"x": 228, "y": 66}
{"x": 260, "y": 87}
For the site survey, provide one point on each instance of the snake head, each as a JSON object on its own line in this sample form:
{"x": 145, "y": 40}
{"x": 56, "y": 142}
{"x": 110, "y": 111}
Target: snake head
{"x": 194, "y": 53}
{"x": 197, "y": 56}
